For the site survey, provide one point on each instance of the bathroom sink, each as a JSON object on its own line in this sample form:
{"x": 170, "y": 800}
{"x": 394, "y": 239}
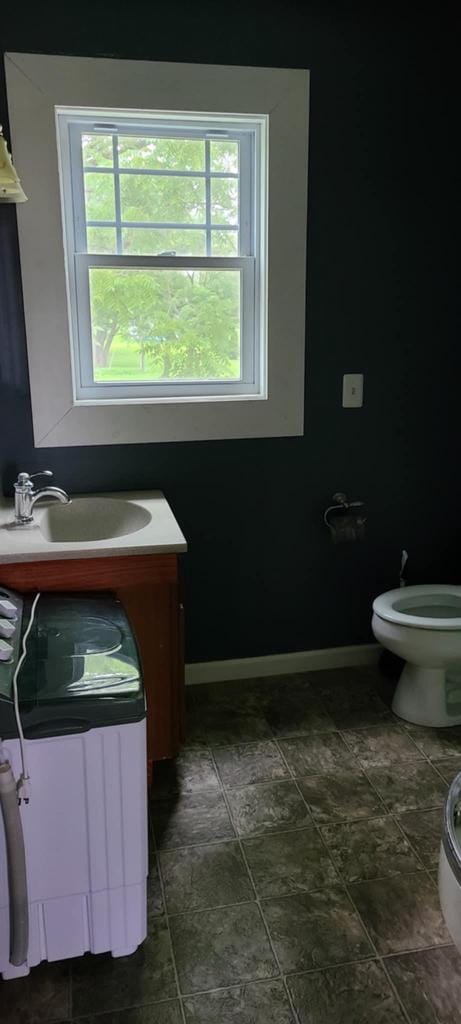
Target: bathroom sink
{"x": 91, "y": 526}
{"x": 92, "y": 519}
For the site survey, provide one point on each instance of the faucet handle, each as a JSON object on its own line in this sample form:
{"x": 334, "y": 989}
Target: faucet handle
{"x": 24, "y": 479}
{"x": 41, "y": 472}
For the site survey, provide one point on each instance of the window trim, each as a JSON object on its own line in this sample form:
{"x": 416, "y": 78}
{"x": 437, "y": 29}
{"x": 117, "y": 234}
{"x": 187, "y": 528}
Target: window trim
{"x": 250, "y": 135}
{"x": 36, "y": 85}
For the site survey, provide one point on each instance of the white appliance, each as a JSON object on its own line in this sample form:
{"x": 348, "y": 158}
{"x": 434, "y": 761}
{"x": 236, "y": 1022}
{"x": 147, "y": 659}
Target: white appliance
{"x": 85, "y": 826}
{"x": 450, "y": 862}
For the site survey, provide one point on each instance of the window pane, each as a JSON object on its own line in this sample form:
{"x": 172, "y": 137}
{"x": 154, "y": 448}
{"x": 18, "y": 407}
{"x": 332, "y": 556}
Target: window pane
{"x": 161, "y": 154}
{"x": 224, "y": 200}
{"x": 165, "y": 325}
{"x": 224, "y": 243}
{"x": 224, "y": 156}
{"x": 178, "y": 200}
{"x": 101, "y": 240}
{"x": 97, "y": 150}
{"x": 152, "y": 241}
{"x": 99, "y": 196}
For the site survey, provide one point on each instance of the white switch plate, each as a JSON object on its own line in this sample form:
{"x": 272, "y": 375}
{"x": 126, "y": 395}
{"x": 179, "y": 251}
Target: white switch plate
{"x": 352, "y": 390}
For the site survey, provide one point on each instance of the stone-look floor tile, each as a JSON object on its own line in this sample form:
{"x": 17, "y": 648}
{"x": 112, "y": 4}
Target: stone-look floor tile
{"x": 354, "y": 679}
{"x": 369, "y": 849}
{"x": 353, "y": 702}
{"x": 44, "y": 995}
{"x": 219, "y": 948}
{"x": 315, "y": 929}
{"x": 249, "y": 763}
{"x": 161, "y": 1013}
{"x": 320, "y": 678}
{"x": 381, "y": 745}
{"x": 102, "y": 983}
{"x": 202, "y": 877}
{"x": 424, "y": 830}
{"x": 270, "y": 689}
{"x": 409, "y": 786}
{"x": 429, "y": 984}
{"x": 449, "y": 767}
{"x": 340, "y": 796}
{"x": 401, "y": 913}
{"x": 243, "y": 693}
{"x": 154, "y": 891}
{"x": 288, "y": 863}
{"x": 261, "y": 1002}
{"x": 224, "y": 713}
{"x": 267, "y": 807}
{"x": 317, "y": 753}
{"x": 165, "y": 1013}
{"x": 190, "y": 772}
{"x": 353, "y": 994}
{"x": 185, "y": 821}
{"x": 291, "y": 710}
{"x": 436, "y": 743}
{"x": 195, "y": 738}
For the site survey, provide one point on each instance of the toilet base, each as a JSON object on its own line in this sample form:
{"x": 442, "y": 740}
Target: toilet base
{"x": 424, "y": 697}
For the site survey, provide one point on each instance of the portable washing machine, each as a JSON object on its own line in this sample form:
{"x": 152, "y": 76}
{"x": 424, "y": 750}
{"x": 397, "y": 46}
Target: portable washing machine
{"x": 450, "y": 862}
{"x": 73, "y": 859}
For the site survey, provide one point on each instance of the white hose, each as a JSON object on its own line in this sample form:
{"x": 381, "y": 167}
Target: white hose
{"x": 23, "y": 786}
{"x": 16, "y": 861}
{"x": 11, "y": 794}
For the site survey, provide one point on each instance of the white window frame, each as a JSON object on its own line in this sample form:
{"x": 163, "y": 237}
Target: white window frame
{"x": 251, "y": 137}
{"x": 38, "y": 87}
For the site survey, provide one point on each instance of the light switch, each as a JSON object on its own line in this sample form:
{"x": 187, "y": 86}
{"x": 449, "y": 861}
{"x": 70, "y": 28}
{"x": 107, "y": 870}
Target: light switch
{"x": 352, "y": 390}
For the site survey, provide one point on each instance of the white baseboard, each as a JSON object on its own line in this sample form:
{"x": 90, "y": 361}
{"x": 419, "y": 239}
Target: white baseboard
{"x": 281, "y": 664}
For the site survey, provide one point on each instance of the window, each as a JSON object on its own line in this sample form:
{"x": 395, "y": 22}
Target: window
{"x": 162, "y": 247}
{"x": 163, "y": 219}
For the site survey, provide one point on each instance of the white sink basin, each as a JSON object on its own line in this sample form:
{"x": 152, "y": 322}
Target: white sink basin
{"x": 92, "y": 519}
{"x": 93, "y": 526}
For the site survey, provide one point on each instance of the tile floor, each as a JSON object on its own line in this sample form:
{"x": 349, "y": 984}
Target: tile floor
{"x": 294, "y": 847}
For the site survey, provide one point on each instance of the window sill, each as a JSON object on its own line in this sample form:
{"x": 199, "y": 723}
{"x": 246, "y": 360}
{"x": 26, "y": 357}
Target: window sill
{"x": 169, "y": 400}
{"x": 140, "y": 422}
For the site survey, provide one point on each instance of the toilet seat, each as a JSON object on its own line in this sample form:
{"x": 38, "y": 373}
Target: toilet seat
{"x": 423, "y": 607}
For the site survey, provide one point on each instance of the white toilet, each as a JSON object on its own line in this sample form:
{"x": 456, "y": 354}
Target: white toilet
{"x": 423, "y": 626}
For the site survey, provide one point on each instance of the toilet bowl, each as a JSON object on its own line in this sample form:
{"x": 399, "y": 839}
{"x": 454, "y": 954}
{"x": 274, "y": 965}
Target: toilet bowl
{"x": 450, "y": 862}
{"x": 423, "y": 626}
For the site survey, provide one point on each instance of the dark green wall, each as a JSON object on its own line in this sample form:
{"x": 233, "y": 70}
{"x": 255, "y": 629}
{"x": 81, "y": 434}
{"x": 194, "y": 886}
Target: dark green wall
{"x": 383, "y": 298}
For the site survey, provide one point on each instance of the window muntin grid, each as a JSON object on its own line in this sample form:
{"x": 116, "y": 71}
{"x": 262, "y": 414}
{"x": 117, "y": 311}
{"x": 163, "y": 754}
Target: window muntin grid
{"x": 207, "y": 231}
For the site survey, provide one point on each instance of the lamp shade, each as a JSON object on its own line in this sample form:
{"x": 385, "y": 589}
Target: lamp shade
{"x": 10, "y": 185}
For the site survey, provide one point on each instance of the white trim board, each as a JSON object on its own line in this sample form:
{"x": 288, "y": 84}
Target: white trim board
{"x": 281, "y": 664}
{"x": 39, "y": 83}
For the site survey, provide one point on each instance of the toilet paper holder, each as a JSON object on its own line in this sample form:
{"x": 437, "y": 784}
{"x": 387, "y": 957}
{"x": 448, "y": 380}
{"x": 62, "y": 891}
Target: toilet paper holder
{"x": 345, "y": 519}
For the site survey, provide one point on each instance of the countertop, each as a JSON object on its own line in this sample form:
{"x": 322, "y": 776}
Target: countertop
{"x": 161, "y": 535}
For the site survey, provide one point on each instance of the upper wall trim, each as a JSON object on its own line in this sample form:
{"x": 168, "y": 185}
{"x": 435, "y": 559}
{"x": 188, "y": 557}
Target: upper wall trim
{"x": 36, "y": 85}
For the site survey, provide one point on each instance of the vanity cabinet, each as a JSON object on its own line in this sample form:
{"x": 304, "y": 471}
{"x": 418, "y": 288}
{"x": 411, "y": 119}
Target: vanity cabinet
{"x": 149, "y": 587}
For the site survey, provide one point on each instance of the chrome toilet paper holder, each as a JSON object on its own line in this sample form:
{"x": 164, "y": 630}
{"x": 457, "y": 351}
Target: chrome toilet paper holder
{"x": 345, "y": 519}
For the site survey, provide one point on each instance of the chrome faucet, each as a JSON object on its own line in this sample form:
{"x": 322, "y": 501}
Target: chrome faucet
{"x": 25, "y": 496}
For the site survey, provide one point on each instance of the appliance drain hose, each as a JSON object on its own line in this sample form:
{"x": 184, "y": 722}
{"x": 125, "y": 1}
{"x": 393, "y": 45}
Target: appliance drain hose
{"x": 16, "y": 860}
